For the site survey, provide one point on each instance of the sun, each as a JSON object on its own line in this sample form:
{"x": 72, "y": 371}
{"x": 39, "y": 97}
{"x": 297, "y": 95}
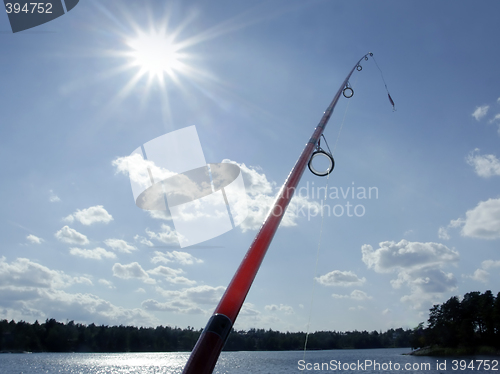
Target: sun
{"x": 156, "y": 54}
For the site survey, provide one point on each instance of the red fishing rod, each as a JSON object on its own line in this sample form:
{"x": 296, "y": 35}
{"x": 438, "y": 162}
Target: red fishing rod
{"x": 207, "y": 350}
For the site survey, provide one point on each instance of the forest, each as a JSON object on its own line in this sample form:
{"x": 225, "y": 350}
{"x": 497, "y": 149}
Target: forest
{"x": 466, "y": 324}
{"x": 53, "y": 336}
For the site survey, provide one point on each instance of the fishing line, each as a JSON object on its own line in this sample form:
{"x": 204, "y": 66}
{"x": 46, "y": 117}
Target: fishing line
{"x": 322, "y": 223}
{"x": 385, "y": 84}
{"x": 316, "y": 266}
{"x": 343, "y": 120}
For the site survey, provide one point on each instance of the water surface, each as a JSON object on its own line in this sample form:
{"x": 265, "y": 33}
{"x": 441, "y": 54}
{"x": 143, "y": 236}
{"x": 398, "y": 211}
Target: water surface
{"x": 332, "y": 361}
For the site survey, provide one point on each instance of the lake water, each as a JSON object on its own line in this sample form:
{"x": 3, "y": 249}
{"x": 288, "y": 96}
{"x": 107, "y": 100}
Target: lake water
{"x": 341, "y": 361}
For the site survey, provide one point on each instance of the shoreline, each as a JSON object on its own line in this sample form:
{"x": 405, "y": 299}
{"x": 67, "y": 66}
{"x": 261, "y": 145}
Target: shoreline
{"x": 459, "y": 351}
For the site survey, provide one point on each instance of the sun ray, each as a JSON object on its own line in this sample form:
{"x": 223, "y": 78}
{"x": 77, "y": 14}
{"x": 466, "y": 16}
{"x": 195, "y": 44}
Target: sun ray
{"x": 157, "y": 55}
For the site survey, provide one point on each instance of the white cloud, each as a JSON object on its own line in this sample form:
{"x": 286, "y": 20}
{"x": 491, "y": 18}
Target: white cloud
{"x": 107, "y": 283}
{"x": 53, "y": 198}
{"x": 483, "y": 221}
{"x": 182, "y": 258}
{"x": 359, "y": 307}
{"x": 143, "y": 240}
{"x": 340, "y": 278}
{"x": 454, "y": 223}
{"x": 71, "y": 236}
{"x": 34, "y": 239}
{"x": 355, "y": 295}
{"x": 91, "y": 215}
{"x": 392, "y": 256}
{"x": 480, "y": 112}
{"x": 249, "y": 310}
{"x": 94, "y": 254}
{"x": 488, "y": 264}
{"x": 25, "y": 273}
{"x": 172, "y": 275}
{"x": 429, "y": 279}
{"x": 130, "y": 271}
{"x": 496, "y": 118}
{"x": 187, "y": 300}
{"x": 178, "y": 307}
{"x": 479, "y": 275}
{"x": 30, "y": 291}
{"x": 160, "y": 214}
{"x": 167, "y": 235}
{"x": 287, "y": 309}
{"x": 120, "y": 245}
{"x": 485, "y": 166}
{"x": 417, "y": 265}
{"x": 137, "y": 169}
{"x": 443, "y": 233}
{"x": 261, "y": 194}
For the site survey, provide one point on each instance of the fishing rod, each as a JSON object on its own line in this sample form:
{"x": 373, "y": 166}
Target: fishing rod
{"x": 211, "y": 341}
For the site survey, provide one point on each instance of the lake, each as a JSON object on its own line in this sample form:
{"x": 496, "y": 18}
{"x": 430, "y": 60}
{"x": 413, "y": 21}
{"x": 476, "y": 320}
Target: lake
{"x": 344, "y": 361}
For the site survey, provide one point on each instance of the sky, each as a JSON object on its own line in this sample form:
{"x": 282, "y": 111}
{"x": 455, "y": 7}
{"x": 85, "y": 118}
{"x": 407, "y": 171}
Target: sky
{"x": 412, "y": 210}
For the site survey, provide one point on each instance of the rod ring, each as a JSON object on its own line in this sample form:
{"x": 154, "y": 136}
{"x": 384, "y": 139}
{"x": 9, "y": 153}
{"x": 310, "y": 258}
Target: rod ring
{"x": 330, "y": 167}
{"x": 348, "y": 92}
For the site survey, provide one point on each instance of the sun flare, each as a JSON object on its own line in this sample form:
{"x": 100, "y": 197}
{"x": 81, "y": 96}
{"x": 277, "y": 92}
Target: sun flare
{"x": 155, "y": 54}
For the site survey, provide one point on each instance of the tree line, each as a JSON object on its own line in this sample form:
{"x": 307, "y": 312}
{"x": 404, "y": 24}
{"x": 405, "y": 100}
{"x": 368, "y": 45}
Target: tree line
{"x": 469, "y": 323}
{"x": 54, "y": 336}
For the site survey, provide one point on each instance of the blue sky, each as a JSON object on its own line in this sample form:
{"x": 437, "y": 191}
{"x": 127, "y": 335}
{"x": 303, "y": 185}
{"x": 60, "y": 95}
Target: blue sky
{"x": 254, "y": 78}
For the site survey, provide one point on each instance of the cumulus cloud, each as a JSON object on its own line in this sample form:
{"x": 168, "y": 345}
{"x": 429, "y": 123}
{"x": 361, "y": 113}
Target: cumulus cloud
{"x": 53, "y": 198}
{"x": 187, "y": 300}
{"x": 483, "y": 221}
{"x": 182, "y": 258}
{"x": 136, "y": 167}
{"x": 429, "y": 279}
{"x": 34, "y": 239}
{"x": 480, "y": 112}
{"x": 287, "y": 309}
{"x": 479, "y": 275}
{"x": 25, "y": 273}
{"x": 143, "y": 240}
{"x": 167, "y": 235}
{"x": 488, "y": 264}
{"x": 340, "y": 278}
{"x": 30, "y": 291}
{"x": 485, "y": 166}
{"x": 71, "y": 236}
{"x": 106, "y": 283}
{"x": 495, "y": 119}
{"x": 392, "y": 256}
{"x": 355, "y": 295}
{"x": 94, "y": 214}
{"x": 120, "y": 245}
{"x": 261, "y": 194}
{"x": 172, "y": 275}
{"x": 131, "y": 271}
{"x": 94, "y": 254}
{"x": 419, "y": 266}
{"x": 443, "y": 233}
{"x": 482, "y": 274}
